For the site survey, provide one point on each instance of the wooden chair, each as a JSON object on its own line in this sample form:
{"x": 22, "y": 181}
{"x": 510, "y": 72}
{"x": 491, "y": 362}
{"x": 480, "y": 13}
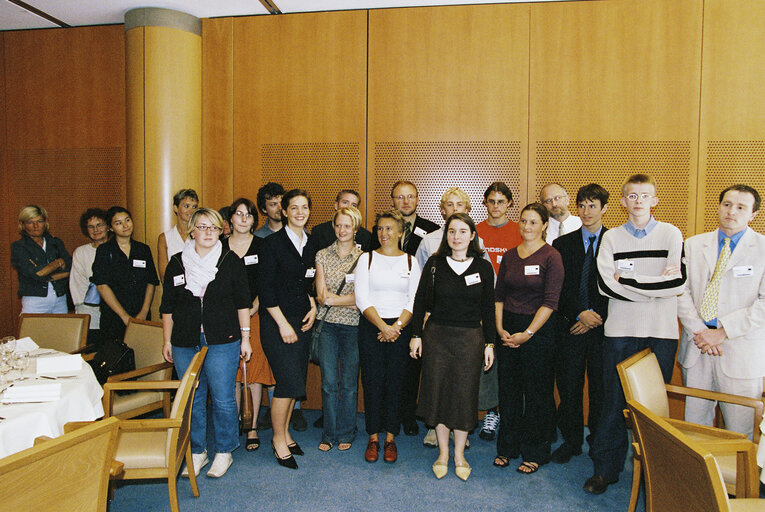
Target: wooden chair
{"x": 643, "y": 382}
{"x": 145, "y": 338}
{"x": 681, "y": 474}
{"x": 70, "y": 472}
{"x": 66, "y": 333}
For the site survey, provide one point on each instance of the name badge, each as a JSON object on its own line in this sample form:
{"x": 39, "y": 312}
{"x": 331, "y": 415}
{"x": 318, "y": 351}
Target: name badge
{"x": 252, "y": 259}
{"x": 499, "y": 258}
{"x": 743, "y": 271}
{"x": 625, "y": 265}
{"x": 406, "y": 274}
{"x": 473, "y": 279}
{"x": 420, "y": 232}
{"x": 310, "y": 272}
{"x": 350, "y": 278}
{"x": 531, "y": 270}
{"x": 358, "y": 246}
{"x": 139, "y": 263}
{"x": 179, "y": 280}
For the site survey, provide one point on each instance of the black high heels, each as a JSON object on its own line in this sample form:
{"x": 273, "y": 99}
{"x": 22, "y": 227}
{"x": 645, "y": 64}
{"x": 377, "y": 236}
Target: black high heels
{"x": 295, "y": 449}
{"x": 287, "y": 462}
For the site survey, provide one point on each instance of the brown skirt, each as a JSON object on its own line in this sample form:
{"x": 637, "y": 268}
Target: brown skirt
{"x": 257, "y": 367}
{"x": 452, "y": 362}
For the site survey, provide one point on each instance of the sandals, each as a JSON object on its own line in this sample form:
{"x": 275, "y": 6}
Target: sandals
{"x": 343, "y": 447}
{"x": 325, "y": 446}
{"x": 501, "y": 461}
{"x": 528, "y": 468}
{"x": 252, "y": 443}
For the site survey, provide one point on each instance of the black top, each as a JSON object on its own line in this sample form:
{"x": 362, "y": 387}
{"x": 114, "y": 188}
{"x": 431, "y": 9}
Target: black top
{"x": 217, "y": 311}
{"x": 571, "y": 249}
{"x": 251, "y": 262}
{"x": 414, "y": 238}
{"x": 323, "y": 235}
{"x": 29, "y": 258}
{"x": 286, "y": 278}
{"x": 452, "y": 301}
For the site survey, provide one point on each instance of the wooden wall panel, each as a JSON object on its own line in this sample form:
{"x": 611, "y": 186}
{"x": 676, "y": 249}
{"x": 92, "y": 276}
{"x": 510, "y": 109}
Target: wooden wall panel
{"x": 448, "y": 102}
{"x": 7, "y": 231}
{"x": 615, "y": 90}
{"x": 732, "y": 128}
{"x": 218, "y": 112}
{"x": 299, "y": 104}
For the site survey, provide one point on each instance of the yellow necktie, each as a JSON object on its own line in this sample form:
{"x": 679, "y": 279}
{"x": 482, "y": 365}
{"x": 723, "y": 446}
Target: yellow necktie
{"x": 708, "y": 308}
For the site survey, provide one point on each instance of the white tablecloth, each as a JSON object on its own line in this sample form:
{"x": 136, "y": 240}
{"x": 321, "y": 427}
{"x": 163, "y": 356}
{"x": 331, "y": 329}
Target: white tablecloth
{"x": 80, "y": 401}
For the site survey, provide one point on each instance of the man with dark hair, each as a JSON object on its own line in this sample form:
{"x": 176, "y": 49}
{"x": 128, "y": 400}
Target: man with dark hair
{"x": 323, "y": 235}
{"x": 270, "y": 206}
{"x": 579, "y": 323}
{"x": 722, "y": 309}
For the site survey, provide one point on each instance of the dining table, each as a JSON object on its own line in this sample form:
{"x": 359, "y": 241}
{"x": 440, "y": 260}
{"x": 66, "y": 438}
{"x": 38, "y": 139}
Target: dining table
{"x": 80, "y": 399}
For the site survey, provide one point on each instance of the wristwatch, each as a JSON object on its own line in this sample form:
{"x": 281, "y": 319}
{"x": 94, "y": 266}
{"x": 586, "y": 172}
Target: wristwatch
{"x": 530, "y": 333}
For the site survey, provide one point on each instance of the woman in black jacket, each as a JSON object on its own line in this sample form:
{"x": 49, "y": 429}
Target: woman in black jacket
{"x": 205, "y": 302}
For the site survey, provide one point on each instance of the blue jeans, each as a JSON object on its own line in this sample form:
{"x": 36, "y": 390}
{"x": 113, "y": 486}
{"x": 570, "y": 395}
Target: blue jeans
{"x": 218, "y": 376}
{"x": 339, "y": 363}
{"x": 48, "y": 304}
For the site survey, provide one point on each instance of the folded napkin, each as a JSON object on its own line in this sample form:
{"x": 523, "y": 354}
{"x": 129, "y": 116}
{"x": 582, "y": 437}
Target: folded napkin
{"x": 59, "y": 364}
{"x": 31, "y": 391}
{"x": 25, "y": 345}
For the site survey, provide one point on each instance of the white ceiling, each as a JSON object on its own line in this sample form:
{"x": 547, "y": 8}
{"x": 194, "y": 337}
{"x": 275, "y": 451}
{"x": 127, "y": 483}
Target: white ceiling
{"x": 103, "y": 12}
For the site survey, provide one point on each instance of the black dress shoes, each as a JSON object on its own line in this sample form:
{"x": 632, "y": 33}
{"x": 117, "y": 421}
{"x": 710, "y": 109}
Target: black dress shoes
{"x": 295, "y": 449}
{"x": 411, "y": 428}
{"x": 598, "y": 484}
{"x": 564, "y": 453}
{"x": 287, "y": 462}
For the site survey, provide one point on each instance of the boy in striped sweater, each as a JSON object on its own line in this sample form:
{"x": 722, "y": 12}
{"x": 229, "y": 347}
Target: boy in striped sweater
{"x": 641, "y": 272}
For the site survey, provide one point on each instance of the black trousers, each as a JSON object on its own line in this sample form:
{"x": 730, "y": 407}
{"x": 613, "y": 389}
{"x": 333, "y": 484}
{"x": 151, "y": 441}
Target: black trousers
{"x": 526, "y": 398}
{"x": 410, "y": 388}
{"x": 575, "y": 355}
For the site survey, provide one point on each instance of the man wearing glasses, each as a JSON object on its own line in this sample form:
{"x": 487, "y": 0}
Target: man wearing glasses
{"x": 555, "y": 198}
{"x": 405, "y": 199}
{"x": 642, "y": 273}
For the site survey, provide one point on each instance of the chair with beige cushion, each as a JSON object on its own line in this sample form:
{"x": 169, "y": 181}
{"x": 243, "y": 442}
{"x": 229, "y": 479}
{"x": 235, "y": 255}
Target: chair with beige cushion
{"x": 66, "y": 333}
{"x": 682, "y": 474}
{"x": 642, "y": 382}
{"x": 145, "y": 338}
{"x": 70, "y": 472}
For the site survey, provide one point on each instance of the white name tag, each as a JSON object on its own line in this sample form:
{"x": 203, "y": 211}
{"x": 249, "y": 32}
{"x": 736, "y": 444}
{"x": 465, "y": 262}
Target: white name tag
{"x": 139, "y": 263}
{"x": 420, "y": 232}
{"x": 531, "y": 270}
{"x": 252, "y": 259}
{"x": 473, "y": 279}
{"x": 625, "y": 265}
{"x": 179, "y": 280}
{"x": 310, "y": 272}
{"x": 405, "y": 274}
{"x": 743, "y": 271}
{"x": 499, "y": 258}
{"x": 349, "y": 278}
{"x": 358, "y": 246}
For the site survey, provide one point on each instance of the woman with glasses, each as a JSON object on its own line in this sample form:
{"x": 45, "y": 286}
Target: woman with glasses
{"x": 206, "y": 302}
{"x": 243, "y": 217}
{"x": 93, "y": 226}
{"x": 42, "y": 264}
{"x": 285, "y": 287}
{"x": 124, "y": 273}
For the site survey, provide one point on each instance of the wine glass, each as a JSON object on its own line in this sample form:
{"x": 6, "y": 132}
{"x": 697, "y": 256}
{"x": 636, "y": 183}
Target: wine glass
{"x": 20, "y": 362}
{"x": 7, "y": 344}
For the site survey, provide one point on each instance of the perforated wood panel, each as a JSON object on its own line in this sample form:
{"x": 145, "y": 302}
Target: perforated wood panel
{"x": 728, "y": 163}
{"x": 609, "y": 163}
{"x": 436, "y": 166}
{"x": 321, "y": 168}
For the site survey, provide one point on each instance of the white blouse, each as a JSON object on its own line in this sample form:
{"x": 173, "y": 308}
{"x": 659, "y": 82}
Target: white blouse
{"x": 388, "y": 285}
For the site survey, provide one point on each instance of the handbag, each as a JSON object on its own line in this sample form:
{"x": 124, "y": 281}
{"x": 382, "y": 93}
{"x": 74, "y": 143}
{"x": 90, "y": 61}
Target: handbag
{"x": 245, "y": 421}
{"x": 314, "y": 348}
{"x": 113, "y": 357}
{"x": 92, "y": 297}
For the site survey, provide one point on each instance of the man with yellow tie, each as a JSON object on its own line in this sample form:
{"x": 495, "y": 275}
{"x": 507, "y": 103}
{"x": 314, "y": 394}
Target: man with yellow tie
{"x": 722, "y": 309}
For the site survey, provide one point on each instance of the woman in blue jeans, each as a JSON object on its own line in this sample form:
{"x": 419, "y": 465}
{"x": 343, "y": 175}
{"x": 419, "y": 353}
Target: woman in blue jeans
{"x": 339, "y": 341}
{"x": 205, "y": 302}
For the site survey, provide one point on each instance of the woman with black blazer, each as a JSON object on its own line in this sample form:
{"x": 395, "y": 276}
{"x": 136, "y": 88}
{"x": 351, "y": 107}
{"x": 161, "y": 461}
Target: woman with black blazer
{"x": 206, "y": 302}
{"x": 285, "y": 288}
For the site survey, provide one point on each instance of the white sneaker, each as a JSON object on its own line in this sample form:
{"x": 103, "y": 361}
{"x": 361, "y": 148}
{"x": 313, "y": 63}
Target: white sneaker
{"x": 431, "y": 441}
{"x": 220, "y": 465}
{"x": 200, "y": 460}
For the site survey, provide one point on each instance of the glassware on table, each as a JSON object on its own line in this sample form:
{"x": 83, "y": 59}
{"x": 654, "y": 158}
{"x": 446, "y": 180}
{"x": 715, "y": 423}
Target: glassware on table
{"x": 20, "y": 362}
{"x": 7, "y": 344}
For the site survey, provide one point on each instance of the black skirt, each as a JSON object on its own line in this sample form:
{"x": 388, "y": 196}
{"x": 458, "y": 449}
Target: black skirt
{"x": 288, "y": 361}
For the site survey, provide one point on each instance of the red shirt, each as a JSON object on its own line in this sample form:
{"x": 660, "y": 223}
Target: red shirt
{"x": 499, "y": 240}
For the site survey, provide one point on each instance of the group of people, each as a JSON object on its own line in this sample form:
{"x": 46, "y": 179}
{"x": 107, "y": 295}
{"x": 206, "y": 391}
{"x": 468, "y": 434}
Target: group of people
{"x": 441, "y": 321}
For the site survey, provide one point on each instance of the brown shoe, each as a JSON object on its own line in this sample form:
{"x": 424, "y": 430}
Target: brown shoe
{"x": 390, "y": 452}
{"x": 370, "y": 455}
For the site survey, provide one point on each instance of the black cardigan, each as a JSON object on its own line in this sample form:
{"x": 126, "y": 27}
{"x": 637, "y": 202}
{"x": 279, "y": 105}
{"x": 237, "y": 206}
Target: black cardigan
{"x": 29, "y": 258}
{"x": 286, "y": 278}
{"x": 225, "y": 295}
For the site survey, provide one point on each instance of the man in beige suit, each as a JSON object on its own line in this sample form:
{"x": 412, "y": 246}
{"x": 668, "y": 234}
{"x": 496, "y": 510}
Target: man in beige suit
{"x": 722, "y": 310}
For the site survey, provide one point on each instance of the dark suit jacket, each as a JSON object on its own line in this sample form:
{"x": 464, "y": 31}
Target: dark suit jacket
{"x": 414, "y": 240}
{"x": 282, "y": 275}
{"x": 323, "y": 235}
{"x": 571, "y": 249}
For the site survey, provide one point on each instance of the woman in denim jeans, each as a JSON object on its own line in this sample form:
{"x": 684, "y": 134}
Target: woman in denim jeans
{"x": 339, "y": 341}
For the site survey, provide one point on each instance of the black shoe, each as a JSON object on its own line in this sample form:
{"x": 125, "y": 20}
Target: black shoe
{"x": 564, "y": 453}
{"x": 597, "y": 484}
{"x": 298, "y": 422}
{"x": 287, "y": 462}
{"x": 295, "y": 449}
{"x": 411, "y": 428}
{"x": 319, "y": 423}
{"x": 264, "y": 423}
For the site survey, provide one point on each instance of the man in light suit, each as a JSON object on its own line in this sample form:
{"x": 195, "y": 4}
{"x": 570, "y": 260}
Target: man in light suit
{"x": 722, "y": 310}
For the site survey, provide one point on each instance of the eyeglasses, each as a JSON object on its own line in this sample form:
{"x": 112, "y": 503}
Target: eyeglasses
{"x": 555, "y": 199}
{"x": 634, "y": 197}
{"x": 243, "y": 215}
{"x": 214, "y": 229}
{"x": 401, "y": 198}
{"x": 97, "y": 226}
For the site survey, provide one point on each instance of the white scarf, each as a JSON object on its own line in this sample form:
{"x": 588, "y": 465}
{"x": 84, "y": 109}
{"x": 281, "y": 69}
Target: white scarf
{"x": 200, "y": 271}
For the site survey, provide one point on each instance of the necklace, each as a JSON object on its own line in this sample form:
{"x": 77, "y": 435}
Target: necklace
{"x": 459, "y": 261}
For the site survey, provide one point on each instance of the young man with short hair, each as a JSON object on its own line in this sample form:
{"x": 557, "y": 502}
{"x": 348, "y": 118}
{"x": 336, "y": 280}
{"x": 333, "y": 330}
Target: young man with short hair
{"x": 270, "y": 206}
{"x": 323, "y": 235}
{"x": 556, "y": 199}
{"x": 642, "y": 273}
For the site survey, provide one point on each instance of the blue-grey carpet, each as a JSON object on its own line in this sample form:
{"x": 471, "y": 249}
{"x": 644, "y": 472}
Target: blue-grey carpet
{"x": 344, "y": 481}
